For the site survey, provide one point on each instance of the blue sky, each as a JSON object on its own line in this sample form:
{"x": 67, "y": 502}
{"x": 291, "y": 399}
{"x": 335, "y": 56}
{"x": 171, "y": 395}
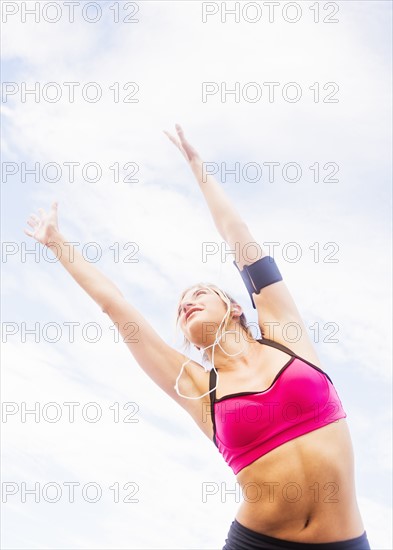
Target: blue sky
{"x": 169, "y": 53}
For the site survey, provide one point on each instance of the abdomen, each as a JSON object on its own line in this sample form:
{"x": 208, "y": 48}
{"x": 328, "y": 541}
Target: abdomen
{"x": 304, "y": 490}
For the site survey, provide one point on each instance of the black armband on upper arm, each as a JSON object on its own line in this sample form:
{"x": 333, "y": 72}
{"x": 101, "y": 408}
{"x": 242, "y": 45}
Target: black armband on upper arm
{"x": 261, "y": 273}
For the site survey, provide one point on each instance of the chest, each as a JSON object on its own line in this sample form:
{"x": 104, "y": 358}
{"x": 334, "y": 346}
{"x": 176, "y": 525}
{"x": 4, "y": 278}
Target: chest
{"x": 266, "y": 366}
{"x": 300, "y": 393}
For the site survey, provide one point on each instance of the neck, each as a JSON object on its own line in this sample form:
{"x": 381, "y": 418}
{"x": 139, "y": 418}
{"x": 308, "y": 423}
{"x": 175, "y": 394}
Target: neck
{"x": 237, "y": 344}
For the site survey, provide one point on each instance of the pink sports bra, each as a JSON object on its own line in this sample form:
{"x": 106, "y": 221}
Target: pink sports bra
{"x": 247, "y": 425}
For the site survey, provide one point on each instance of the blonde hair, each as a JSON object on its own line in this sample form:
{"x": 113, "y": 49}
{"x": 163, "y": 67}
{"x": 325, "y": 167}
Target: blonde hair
{"x": 227, "y": 299}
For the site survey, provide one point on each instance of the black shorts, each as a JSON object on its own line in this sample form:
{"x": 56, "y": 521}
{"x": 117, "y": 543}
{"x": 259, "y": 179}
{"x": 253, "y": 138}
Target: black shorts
{"x": 242, "y": 538}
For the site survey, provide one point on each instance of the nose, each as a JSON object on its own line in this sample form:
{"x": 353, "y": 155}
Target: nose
{"x": 187, "y": 306}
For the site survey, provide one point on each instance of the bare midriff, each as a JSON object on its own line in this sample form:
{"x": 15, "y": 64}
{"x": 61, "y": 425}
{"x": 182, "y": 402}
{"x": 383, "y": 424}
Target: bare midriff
{"x": 304, "y": 490}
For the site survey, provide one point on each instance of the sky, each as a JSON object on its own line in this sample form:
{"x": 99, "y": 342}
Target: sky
{"x": 136, "y": 460}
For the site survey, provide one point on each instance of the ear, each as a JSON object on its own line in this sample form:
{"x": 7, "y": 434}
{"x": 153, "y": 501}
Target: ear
{"x": 236, "y": 310}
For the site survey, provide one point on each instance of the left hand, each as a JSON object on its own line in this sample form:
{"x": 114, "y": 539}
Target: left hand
{"x": 187, "y": 150}
{"x": 44, "y": 226}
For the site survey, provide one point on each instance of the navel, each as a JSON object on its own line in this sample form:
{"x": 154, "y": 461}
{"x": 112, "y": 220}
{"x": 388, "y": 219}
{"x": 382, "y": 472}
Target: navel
{"x": 307, "y": 522}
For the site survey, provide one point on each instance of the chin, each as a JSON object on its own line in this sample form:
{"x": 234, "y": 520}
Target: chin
{"x": 200, "y": 330}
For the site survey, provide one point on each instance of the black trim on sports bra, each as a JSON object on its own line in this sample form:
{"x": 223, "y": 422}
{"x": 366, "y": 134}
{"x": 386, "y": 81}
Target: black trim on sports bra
{"x": 281, "y": 347}
{"x": 239, "y": 394}
{"x": 212, "y": 383}
{"x": 272, "y": 343}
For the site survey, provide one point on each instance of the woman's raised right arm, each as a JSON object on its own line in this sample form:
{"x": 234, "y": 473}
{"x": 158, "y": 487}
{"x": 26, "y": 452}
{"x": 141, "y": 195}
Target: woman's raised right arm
{"x": 161, "y": 362}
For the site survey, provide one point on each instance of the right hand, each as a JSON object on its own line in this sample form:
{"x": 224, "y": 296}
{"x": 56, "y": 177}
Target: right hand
{"x": 187, "y": 150}
{"x": 44, "y": 225}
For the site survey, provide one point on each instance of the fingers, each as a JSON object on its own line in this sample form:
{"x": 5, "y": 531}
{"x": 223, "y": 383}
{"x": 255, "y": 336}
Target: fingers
{"x": 33, "y": 220}
{"x": 179, "y": 142}
{"x": 180, "y": 133}
{"x": 169, "y": 136}
{"x": 32, "y": 223}
{"x": 175, "y": 141}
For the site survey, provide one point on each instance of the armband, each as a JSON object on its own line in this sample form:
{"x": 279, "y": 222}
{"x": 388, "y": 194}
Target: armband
{"x": 261, "y": 273}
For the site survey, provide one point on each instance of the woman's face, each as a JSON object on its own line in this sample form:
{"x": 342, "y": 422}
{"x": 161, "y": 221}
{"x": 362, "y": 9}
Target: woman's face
{"x": 200, "y": 313}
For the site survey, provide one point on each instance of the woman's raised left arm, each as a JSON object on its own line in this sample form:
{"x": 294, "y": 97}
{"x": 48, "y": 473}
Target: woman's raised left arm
{"x": 227, "y": 219}
{"x": 274, "y": 303}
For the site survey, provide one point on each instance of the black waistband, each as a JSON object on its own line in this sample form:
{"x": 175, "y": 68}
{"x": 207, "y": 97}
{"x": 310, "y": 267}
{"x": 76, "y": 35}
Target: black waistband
{"x": 242, "y": 538}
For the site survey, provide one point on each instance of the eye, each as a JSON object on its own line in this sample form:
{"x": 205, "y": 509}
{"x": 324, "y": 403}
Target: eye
{"x": 199, "y": 291}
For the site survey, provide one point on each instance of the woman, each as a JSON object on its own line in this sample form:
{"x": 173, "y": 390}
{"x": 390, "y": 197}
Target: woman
{"x": 275, "y": 415}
